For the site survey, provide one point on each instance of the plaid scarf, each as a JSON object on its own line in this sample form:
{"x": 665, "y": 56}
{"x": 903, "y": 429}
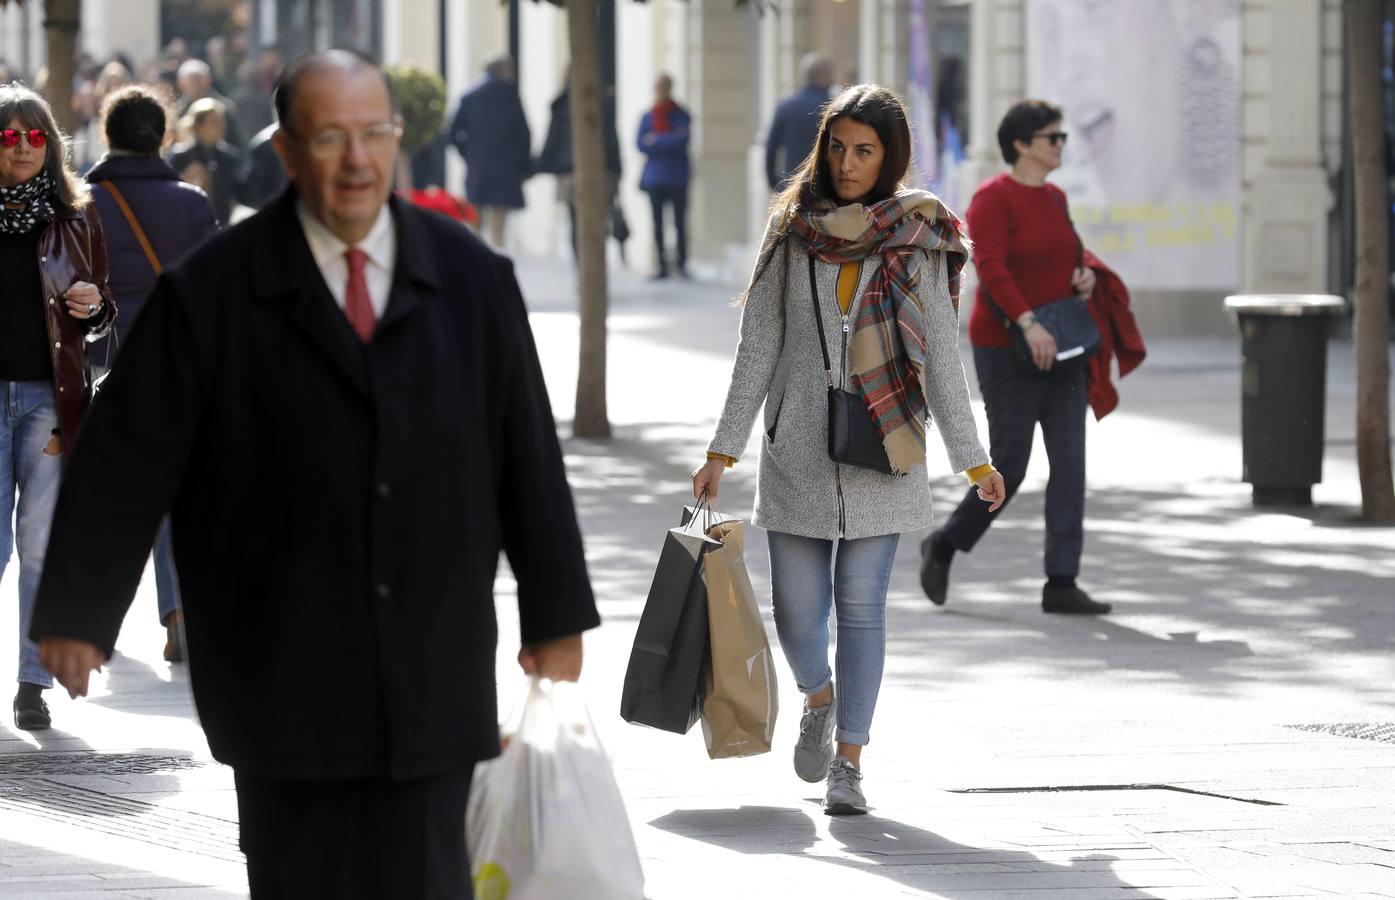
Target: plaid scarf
{"x": 887, "y": 362}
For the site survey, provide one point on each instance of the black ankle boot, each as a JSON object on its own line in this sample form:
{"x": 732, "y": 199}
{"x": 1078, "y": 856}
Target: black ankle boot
{"x": 31, "y": 712}
{"x": 1071, "y": 600}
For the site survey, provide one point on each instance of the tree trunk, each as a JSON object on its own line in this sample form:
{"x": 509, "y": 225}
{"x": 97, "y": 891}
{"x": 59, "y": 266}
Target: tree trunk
{"x": 592, "y": 194}
{"x": 1372, "y": 289}
{"x": 62, "y": 20}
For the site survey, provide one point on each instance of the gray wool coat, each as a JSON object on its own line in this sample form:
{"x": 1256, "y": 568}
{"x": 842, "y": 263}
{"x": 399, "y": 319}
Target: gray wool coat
{"x": 778, "y": 363}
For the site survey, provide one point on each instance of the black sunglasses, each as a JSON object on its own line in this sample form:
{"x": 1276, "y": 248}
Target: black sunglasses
{"x": 36, "y": 137}
{"x": 1055, "y": 137}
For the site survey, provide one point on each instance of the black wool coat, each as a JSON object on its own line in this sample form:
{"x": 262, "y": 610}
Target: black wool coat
{"x": 338, "y": 508}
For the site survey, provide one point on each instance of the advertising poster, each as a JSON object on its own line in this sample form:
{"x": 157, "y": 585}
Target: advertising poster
{"x": 1152, "y": 92}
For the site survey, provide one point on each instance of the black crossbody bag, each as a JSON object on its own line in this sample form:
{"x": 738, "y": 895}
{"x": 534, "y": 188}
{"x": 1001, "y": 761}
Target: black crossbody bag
{"x": 853, "y": 439}
{"x": 1068, "y": 320}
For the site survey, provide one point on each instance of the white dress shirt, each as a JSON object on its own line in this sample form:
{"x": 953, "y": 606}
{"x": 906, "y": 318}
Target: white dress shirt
{"x": 380, "y": 244}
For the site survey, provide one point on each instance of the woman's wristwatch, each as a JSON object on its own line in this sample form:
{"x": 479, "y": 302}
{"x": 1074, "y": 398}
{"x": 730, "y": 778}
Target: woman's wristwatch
{"x": 1026, "y": 320}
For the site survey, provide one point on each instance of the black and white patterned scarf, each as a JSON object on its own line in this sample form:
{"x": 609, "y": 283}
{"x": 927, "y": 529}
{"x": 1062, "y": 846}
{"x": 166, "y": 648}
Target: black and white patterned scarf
{"x": 27, "y": 205}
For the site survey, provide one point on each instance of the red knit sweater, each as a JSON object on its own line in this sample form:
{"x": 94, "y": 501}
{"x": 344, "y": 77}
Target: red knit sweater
{"x": 1024, "y": 251}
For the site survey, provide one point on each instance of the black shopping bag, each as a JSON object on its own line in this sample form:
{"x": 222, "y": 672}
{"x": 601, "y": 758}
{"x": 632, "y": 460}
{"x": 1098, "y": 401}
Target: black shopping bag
{"x": 664, "y": 681}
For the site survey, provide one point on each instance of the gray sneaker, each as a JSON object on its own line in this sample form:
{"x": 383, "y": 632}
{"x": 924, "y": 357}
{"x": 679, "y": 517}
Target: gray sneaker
{"x": 814, "y": 749}
{"x": 844, "y": 797}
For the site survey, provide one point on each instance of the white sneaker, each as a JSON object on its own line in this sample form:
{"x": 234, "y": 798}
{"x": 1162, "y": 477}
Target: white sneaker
{"x": 844, "y": 796}
{"x": 814, "y": 750}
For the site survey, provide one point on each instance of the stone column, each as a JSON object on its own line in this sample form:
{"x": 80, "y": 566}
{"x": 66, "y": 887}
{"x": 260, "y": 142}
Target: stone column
{"x": 721, "y": 71}
{"x": 883, "y": 44}
{"x": 1286, "y": 192}
{"x": 997, "y": 76}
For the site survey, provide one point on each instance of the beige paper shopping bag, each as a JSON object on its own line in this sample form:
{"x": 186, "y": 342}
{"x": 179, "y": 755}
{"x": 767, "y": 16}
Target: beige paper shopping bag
{"x": 738, "y": 714}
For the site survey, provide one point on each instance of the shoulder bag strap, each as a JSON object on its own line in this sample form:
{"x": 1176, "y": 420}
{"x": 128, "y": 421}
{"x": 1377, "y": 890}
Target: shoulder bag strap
{"x": 1079, "y": 244}
{"x": 818, "y": 318}
{"x": 135, "y": 226}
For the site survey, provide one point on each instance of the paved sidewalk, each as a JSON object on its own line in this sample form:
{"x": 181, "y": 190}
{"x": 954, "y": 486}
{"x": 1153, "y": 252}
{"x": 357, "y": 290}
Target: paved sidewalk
{"x": 1190, "y": 745}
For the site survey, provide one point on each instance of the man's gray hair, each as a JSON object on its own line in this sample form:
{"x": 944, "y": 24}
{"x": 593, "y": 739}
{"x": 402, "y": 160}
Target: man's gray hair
{"x": 817, "y": 69}
{"x": 194, "y": 67}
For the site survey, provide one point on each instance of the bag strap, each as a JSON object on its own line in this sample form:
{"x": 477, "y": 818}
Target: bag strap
{"x": 135, "y": 225}
{"x": 1079, "y": 244}
{"x": 818, "y": 317}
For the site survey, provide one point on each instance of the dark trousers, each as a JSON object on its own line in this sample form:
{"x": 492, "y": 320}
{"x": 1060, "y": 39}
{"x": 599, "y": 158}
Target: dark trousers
{"x": 363, "y": 838}
{"x": 1016, "y": 400}
{"x": 677, "y": 199}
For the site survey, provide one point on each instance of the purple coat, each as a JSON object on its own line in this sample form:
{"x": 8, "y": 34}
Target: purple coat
{"x": 175, "y": 216}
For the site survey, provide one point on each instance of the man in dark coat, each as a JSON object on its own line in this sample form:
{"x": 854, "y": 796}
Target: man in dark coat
{"x": 491, "y": 133}
{"x": 795, "y": 127}
{"x": 556, "y": 159}
{"x": 262, "y": 176}
{"x": 341, "y": 403}
{"x": 663, "y": 139}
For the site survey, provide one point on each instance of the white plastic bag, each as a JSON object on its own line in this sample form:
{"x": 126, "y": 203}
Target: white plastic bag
{"x": 545, "y": 819}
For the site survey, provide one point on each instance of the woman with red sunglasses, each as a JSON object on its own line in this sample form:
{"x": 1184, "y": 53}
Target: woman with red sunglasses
{"x": 55, "y": 299}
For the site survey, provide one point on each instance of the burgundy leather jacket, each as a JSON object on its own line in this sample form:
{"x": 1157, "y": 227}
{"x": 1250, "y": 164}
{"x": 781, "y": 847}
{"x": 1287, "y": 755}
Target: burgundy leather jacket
{"x": 71, "y": 249}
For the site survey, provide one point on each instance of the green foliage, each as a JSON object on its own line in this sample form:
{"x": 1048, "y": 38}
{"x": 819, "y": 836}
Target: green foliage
{"x": 421, "y": 98}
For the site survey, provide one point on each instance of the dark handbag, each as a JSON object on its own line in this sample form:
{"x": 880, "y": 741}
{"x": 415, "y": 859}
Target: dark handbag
{"x": 664, "y": 679}
{"x": 853, "y": 438}
{"x": 1068, "y": 320}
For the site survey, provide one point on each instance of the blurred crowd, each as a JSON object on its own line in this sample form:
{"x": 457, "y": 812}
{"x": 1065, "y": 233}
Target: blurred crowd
{"x": 220, "y": 97}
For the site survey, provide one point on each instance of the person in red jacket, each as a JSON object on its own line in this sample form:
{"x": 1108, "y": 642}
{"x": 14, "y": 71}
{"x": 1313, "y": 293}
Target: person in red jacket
{"x": 1027, "y": 255}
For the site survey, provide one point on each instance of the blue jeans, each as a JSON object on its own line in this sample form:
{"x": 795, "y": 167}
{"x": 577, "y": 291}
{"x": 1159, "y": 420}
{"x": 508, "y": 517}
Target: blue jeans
{"x": 31, "y": 463}
{"x": 808, "y": 583}
{"x": 166, "y": 579}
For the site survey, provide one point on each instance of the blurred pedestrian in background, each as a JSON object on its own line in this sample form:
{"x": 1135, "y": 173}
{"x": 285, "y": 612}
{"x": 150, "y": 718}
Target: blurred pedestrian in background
{"x": 556, "y": 159}
{"x": 795, "y": 128}
{"x": 1027, "y": 254}
{"x": 206, "y": 159}
{"x": 263, "y": 176}
{"x": 663, "y": 139}
{"x": 851, "y": 260}
{"x": 195, "y": 83}
{"x": 491, "y": 133}
{"x": 328, "y": 399}
{"x": 50, "y": 247}
{"x": 151, "y": 219}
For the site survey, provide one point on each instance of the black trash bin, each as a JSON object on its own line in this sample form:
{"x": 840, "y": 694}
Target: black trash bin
{"x": 1283, "y": 387}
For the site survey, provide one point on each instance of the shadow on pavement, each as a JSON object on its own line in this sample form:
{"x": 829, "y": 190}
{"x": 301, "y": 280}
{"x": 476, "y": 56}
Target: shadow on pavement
{"x": 1188, "y": 572}
{"x": 912, "y": 857}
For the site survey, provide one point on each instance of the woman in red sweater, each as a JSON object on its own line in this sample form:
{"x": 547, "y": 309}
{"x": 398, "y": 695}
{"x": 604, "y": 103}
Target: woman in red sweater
{"x": 1027, "y": 255}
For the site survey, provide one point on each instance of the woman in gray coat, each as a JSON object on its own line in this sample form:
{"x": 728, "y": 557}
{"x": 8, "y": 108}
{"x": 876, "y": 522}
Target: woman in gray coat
{"x": 882, "y": 263}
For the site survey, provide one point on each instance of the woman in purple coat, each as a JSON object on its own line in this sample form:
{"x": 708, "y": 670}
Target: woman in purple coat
{"x": 133, "y": 182}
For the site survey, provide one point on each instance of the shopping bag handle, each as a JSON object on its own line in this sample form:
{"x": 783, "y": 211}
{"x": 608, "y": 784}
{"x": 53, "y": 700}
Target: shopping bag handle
{"x": 702, "y": 507}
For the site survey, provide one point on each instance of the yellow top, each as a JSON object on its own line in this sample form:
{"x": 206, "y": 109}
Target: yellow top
{"x": 848, "y": 275}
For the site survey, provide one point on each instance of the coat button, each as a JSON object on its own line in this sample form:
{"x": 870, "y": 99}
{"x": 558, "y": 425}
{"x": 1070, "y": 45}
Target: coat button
{"x": 384, "y": 490}
{"x": 60, "y": 389}
{"x": 57, "y": 345}
{"x": 383, "y": 591}
{"x": 43, "y": 259}
{"x": 51, "y": 301}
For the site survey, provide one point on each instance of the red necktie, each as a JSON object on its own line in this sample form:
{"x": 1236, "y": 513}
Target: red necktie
{"x": 357, "y": 306}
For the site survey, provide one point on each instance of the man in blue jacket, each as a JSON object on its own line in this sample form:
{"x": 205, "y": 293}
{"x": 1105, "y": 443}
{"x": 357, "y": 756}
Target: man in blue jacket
{"x": 663, "y": 138}
{"x": 795, "y": 127}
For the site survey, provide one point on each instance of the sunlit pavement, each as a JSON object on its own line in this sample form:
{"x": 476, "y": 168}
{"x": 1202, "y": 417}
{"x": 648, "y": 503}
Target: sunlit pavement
{"x": 1183, "y": 747}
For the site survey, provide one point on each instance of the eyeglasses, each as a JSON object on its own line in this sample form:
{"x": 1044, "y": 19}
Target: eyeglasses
{"x": 36, "y": 137}
{"x": 1055, "y": 137}
{"x": 332, "y": 143}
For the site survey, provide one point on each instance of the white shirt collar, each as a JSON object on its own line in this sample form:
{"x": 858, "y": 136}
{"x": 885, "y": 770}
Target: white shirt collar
{"x": 380, "y": 242}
